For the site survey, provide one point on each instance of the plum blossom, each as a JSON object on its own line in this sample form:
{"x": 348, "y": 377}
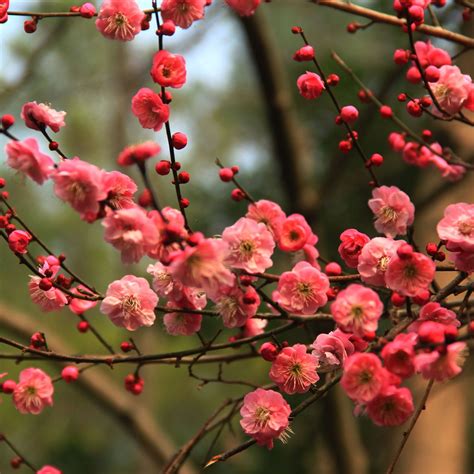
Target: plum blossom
{"x": 453, "y": 90}
{"x": 182, "y": 12}
{"x": 265, "y": 416}
{"x": 393, "y": 210}
{"x": 130, "y": 303}
{"x": 294, "y": 233}
{"x": 80, "y": 184}
{"x": 268, "y": 213}
{"x": 33, "y": 392}
{"x": 236, "y": 306}
{"x": 149, "y": 108}
{"x": 49, "y": 470}
{"x": 79, "y": 305}
{"x": 399, "y": 355}
{"x": 310, "y": 85}
{"x": 163, "y": 283}
{"x": 19, "y": 240}
{"x": 253, "y": 327}
{"x": 131, "y": 232}
{"x": 294, "y": 370}
{"x": 120, "y": 189}
{"x": 457, "y": 227}
{"x": 430, "y": 55}
{"x": 168, "y": 70}
{"x": 442, "y": 366}
{"x": 139, "y": 153}
{"x": 37, "y": 116}
{"x": 391, "y": 407}
{"x": 410, "y": 275}
{"x": 244, "y": 7}
{"x": 374, "y": 259}
{"x": 332, "y": 349}
{"x": 48, "y": 300}
{"x": 363, "y": 377}
{"x": 352, "y": 243}
{"x": 357, "y": 309}
{"x": 120, "y": 19}
{"x": 302, "y": 290}
{"x": 203, "y": 266}
{"x": 26, "y": 157}
{"x": 250, "y": 245}
{"x": 433, "y": 311}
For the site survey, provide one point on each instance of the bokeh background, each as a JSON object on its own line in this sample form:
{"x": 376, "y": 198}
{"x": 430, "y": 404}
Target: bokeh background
{"x": 231, "y": 110}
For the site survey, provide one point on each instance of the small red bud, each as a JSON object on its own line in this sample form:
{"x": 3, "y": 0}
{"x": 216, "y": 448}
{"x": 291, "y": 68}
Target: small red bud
{"x": 333, "y": 269}
{"x": 226, "y": 174}
{"x": 237, "y": 195}
{"x": 7, "y": 121}
{"x": 179, "y": 140}
{"x": 83, "y": 326}
{"x": 397, "y": 299}
{"x": 30, "y": 26}
{"x": 70, "y": 373}
{"x": 163, "y": 167}
{"x": 53, "y": 146}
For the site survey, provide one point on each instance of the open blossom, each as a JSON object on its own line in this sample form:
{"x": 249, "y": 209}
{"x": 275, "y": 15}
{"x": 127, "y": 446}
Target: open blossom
{"x": 303, "y": 290}
{"x": 25, "y": 156}
{"x": 409, "y": 276}
{"x": 265, "y": 416}
{"x": 4, "y": 5}
{"x": 79, "y": 305}
{"x": 182, "y": 324}
{"x": 49, "y": 300}
{"x": 49, "y": 470}
{"x": 203, "y": 266}
{"x": 254, "y": 327}
{"x": 33, "y": 392}
{"x": 448, "y": 171}
{"x": 332, "y": 349}
{"x": 150, "y": 110}
{"x": 363, "y": 377}
{"x": 294, "y": 370}
{"x": 433, "y": 311}
{"x": 236, "y": 306}
{"x": 393, "y": 210}
{"x": 399, "y": 355}
{"x": 38, "y": 116}
{"x": 457, "y": 227}
{"x": 357, "y": 309}
{"x": 453, "y": 90}
{"x": 294, "y": 233}
{"x": 374, "y": 259}
{"x": 133, "y": 154}
{"x": 80, "y": 184}
{"x": 442, "y": 366}
{"x": 250, "y": 245}
{"x": 464, "y": 261}
{"x": 19, "y": 240}
{"x": 310, "y": 85}
{"x": 268, "y": 213}
{"x": 392, "y": 407}
{"x": 130, "y": 303}
{"x": 352, "y": 243}
{"x": 120, "y": 19}
{"x": 163, "y": 283}
{"x": 120, "y": 189}
{"x": 182, "y": 12}
{"x": 244, "y": 7}
{"x": 131, "y": 232}
{"x": 168, "y": 70}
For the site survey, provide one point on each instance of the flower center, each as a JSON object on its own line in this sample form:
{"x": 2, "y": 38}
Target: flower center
{"x": 383, "y": 263}
{"x": 131, "y": 304}
{"x": 466, "y": 226}
{"x": 410, "y": 271}
{"x": 246, "y": 248}
{"x": 357, "y": 312}
{"x": 388, "y": 214}
{"x": 262, "y": 415}
{"x": 365, "y": 377}
{"x": 304, "y": 290}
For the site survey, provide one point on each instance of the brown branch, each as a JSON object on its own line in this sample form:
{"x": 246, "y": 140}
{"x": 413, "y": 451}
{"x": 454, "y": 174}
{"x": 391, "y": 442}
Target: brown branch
{"x": 380, "y": 17}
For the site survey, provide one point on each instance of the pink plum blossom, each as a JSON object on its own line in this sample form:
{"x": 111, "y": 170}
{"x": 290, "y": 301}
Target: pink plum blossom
{"x": 294, "y": 233}
{"x": 120, "y": 19}
{"x": 268, "y": 213}
{"x": 457, "y": 227}
{"x": 80, "y": 184}
{"x": 131, "y": 232}
{"x": 294, "y": 370}
{"x": 130, "y": 303}
{"x": 79, "y": 305}
{"x": 310, "y": 85}
{"x": 442, "y": 366}
{"x": 120, "y": 189}
{"x": 429, "y": 55}
{"x": 453, "y": 90}
{"x": 363, "y": 377}
{"x": 232, "y": 305}
{"x": 332, "y": 349}
{"x": 149, "y": 108}
{"x": 25, "y": 157}
{"x": 357, "y": 309}
{"x": 374, "y": 259}
{"x": 433, "y": 311}
{"x": 244, "y": 7}
{"x": 181, "y": 323}
{"x": 250, "y": 245}
{"x": 302, "y": 290}
{"x": 253, "y": 327}
{"x": 352, "y": 243}
{"x": 391, "y": 407}
{"x": 19, "y": 240}
{"x": 399, "y": 355}
{"x": 409, "y": 276}
{"x": 139, "y": 153}
{"x": 49, "y": 470}
{"x": 168, "y": 70}
{"x": 33, "y": 392}
{"x": 49, "y": 300}
{"x": 38, "y": 116}
{"x": 182, "y": 12}
{"x": 265, "y": 416}
{"x": 393, "y": 210}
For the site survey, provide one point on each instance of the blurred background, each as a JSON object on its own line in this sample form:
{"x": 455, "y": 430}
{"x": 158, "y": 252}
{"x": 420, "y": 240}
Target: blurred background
{"x": 240, "y": 104}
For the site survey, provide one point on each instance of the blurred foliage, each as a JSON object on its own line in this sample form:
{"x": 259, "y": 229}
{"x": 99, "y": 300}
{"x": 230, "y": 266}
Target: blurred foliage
{"x": 222, "y": 112}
